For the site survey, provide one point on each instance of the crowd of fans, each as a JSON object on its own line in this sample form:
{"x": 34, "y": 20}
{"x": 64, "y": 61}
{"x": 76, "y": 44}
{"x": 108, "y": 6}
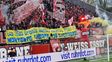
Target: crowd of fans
{"x": 36, "y": 18}
{"x": 76, "y": 11}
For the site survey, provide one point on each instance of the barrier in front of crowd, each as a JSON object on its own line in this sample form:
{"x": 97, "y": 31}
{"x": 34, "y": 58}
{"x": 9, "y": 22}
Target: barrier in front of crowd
{"x": 101, "y": 43}
{"x": 54, "y": 57}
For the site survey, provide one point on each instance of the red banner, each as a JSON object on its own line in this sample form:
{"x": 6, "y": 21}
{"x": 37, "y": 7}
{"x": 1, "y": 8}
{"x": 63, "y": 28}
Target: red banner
{"x": 39, "y": 49}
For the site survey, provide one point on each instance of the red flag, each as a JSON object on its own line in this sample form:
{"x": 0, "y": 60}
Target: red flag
{"x": 1, "y": 18}
{"x": 43, "y": 22}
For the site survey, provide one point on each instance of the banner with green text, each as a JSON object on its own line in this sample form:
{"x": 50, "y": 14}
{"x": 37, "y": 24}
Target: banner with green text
{"x": 38, "y": 33}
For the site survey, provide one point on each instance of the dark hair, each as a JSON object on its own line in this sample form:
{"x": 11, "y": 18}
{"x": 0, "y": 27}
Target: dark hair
{"x": 11, "y": 48}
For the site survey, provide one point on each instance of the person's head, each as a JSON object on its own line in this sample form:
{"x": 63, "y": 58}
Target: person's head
{"x": 11, "y": 48}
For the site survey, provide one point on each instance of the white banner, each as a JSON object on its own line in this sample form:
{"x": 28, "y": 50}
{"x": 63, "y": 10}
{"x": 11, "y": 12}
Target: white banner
{"x": 54, "y": 57}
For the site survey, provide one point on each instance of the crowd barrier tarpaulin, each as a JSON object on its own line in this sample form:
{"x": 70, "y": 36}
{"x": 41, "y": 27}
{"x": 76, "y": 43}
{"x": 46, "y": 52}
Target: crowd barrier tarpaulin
{"x": 38, "y": 33}
{"x": 14, "y": 51}
{"x": 54, "y": 57}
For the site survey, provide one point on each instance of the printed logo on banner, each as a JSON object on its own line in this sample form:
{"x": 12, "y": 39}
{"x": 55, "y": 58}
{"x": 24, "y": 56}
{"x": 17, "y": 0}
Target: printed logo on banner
{"x": 13, "y": 51}
{"x": 74, "y": 44}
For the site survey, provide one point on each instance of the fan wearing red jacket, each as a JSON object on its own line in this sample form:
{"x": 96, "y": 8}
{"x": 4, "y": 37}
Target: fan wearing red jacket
{"x": 84, "y": 29}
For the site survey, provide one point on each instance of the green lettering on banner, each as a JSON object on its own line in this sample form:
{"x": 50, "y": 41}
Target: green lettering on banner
{"x": 69, "y": 29}
{"x": 41, "y": 36}
{"x": 54, "y": 36}
{"x": 67, "y": 34}
{"x": 10, "y": 33}
{"x": 41, "y": 29}
{"x": 19, "y": 33}
{"x": 30, "y": 31}
{"x": 58, "y": 30}
{"x": 55, "y": 32}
